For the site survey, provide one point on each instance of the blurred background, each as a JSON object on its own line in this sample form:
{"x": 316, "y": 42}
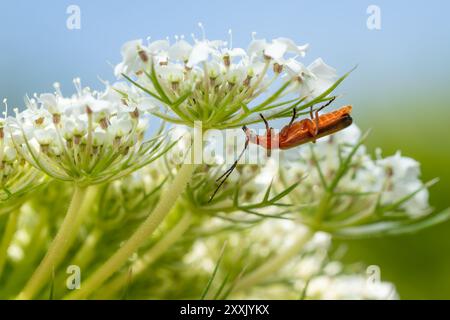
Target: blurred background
{"x": 400, "y": 88}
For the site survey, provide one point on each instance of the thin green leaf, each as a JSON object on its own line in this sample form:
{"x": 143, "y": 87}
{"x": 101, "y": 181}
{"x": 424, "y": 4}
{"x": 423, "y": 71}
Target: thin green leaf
{"x": 143, "y": 88}
{"x": 267, "y": 194}
{"x": 393, "y": 228}
{"x": 154, "y": 78}
{"x": 304, "y": 291}
{"x": 396, "y": 205}
{"x": 222, "y": 286}
{"x": 216, "y": 268}
{"x": 52, "y": 286}
{"x": 284, "y": 193}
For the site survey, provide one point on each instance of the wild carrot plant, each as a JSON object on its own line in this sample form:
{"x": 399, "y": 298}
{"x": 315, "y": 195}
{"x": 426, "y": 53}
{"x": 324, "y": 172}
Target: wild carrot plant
{"x": 116, "y": 184}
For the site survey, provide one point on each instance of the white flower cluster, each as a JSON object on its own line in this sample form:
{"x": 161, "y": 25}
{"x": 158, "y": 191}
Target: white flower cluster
{"x": 361, "y": 186}
{"x": 89, "y": 137}
{"x": 16, "y": 176}
{"x": 209, "y": 80}
{"x": 401, "y": 176}
{"x": 365, "y": 183}
{"x": 309, "y": 274}
{"x": 350, "y": 287}
{"x": 8, "y": 155}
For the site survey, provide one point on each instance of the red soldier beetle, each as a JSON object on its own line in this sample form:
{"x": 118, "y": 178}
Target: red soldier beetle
{"x": 295, "y": 133}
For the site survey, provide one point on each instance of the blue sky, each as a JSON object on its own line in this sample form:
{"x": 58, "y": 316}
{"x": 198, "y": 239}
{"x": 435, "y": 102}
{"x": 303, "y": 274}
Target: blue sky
{"x": 409, "y": 55}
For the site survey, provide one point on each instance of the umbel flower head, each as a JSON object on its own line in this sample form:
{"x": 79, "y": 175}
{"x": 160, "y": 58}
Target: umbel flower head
{"x": 213, "y": 82}
{"x": 17, "y": 177}
{"x": 334, "y": 185}
{"x": 246, "y": 190}
{"x": 349, "y": 193}
{"x": 89, "y": 138}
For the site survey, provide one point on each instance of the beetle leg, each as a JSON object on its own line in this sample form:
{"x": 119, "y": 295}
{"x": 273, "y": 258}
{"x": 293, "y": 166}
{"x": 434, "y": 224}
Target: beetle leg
{"x": 294, "y": 114}
{"x": 316, "y": 122}
{"x": 269, "y": 142}
{"x": 315, "y": 117}
{"x": 311, "y": 127}
{"x": 268, "y": 135}
{"x": 265, "y": 122}
{"x": 313, "y": 124}
{"x": 311, "y": 113}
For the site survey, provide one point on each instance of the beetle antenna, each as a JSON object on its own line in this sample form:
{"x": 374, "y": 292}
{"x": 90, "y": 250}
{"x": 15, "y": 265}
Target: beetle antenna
{"x": 227, "y": 173}
{"x": 325, "y": 105}
{"x": 316, "y": 118}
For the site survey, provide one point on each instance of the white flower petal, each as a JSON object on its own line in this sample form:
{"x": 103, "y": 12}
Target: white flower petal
{"x": 200, "y": 53}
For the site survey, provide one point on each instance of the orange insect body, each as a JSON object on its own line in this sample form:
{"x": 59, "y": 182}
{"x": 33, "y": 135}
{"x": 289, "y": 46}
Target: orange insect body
{"x": 304, "y": 131}
{"x": 295, "y": 133}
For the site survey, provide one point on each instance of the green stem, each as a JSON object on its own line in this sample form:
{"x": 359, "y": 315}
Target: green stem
{"x": 322, "y": 208}
{"x": 38, "y": 240}
{"x": 273, "y": 265}
{"x": 10, "y": 230}
{"x": 60, "y": 245}
{"x": 145, "y": 230}
{"x": 148, "y": 258}
{"x": 87, "y": 251}
{"x": 83, "y": 257}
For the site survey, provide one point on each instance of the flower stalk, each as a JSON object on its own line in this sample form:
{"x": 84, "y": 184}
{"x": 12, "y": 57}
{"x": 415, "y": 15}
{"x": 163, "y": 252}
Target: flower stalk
{"x": 145, "y": 230}
{"x": 64, "y": 238}
{"x": 148, "y": 257}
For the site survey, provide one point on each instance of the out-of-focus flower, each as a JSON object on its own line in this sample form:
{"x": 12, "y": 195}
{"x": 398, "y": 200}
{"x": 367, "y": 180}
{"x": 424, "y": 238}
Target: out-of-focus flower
{"x": 310, "y": 273}
{"x": 402, "y": 180}
{"x": 345, "y": 186}
{"x": 350, "y": 287}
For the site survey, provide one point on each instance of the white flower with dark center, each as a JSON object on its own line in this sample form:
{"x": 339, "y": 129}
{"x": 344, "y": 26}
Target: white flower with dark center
{"x": 276, "y": 50}
{"x": 314, "y": 79}
{"x": 200, "y": 53}
{"x": 132, "y": 54}
{"x": 180, "y": 50}
{"x": 173, "y": 73}
{"x": 50, "y": 102}
{"x": 402, "y": 179}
